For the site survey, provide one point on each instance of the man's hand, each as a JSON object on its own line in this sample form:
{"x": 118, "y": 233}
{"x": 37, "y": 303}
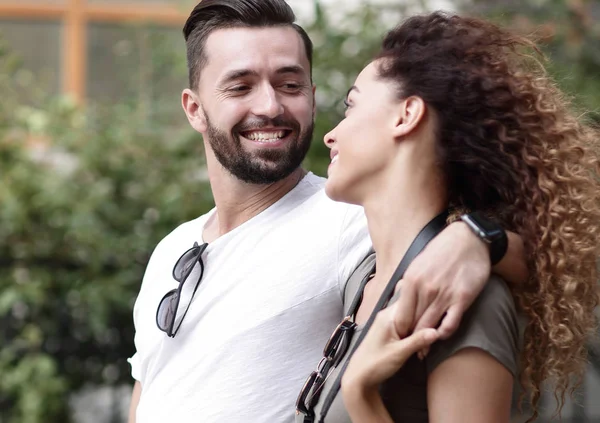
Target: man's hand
{"x": 443, "y": 281}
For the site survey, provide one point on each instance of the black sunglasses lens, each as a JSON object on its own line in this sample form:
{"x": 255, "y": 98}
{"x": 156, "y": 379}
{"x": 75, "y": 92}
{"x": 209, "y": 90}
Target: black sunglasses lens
{"x": 301, "y": 405}
{"x": 167, "y": 310}
{"x": 339, "y": 342}
{"x": 167, "y": 318}
{"x": 341, "y": 348}
{"x": 333, "y": 343}
{"x": 185, "y": 264}
{"x": 314, "y": 393}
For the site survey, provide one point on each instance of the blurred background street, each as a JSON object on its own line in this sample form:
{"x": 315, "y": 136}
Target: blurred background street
{"x": 98, "y": 163}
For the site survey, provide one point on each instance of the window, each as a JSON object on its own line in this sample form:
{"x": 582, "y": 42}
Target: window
{"x": 99, "y": 49}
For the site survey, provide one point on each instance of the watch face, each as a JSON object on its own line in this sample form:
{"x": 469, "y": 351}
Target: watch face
{"x": 491, "y": 229}
{"x": 489, "y": 232}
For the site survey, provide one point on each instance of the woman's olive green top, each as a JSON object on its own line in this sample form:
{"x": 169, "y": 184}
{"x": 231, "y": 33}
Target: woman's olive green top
{"x": 490, "y": 324}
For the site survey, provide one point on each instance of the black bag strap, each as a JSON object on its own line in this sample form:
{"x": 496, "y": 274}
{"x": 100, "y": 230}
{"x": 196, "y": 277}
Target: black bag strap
{"x": 356, "y": 283}
{"x": 435, "y": 226}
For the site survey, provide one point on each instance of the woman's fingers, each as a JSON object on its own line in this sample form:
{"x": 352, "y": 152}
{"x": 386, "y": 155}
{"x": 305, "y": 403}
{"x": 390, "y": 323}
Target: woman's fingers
{"x": 416, "y": 342}
{"x": 383, "y": 352}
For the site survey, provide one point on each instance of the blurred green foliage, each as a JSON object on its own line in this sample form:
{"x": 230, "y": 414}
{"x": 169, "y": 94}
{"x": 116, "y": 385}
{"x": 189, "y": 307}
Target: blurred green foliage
{"x": 78, "y": 222}
{"x": 86, "y": 194}
{"x": 568, "y": 32}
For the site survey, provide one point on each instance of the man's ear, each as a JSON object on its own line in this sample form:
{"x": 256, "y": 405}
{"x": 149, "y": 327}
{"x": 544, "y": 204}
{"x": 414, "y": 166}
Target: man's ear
{"x": 410, "y": 114}
{"x": 314, "y": 100}
{"x": 193, "y": 110}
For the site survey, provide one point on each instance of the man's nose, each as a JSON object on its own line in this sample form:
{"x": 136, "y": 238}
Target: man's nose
{"x": 268, "y": 103}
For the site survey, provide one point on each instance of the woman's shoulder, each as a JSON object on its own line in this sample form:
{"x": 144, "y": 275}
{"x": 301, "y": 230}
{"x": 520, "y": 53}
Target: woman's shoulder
{"x": 490, "y": 324}
{"x": 496, "y": 290}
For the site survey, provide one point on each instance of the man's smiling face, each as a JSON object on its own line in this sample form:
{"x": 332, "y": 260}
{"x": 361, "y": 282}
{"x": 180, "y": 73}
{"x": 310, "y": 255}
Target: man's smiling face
{"x": 257, "y": 99}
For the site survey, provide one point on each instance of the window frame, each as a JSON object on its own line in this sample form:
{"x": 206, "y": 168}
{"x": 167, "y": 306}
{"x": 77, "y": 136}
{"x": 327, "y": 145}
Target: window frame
{"x": 74, "y": 16}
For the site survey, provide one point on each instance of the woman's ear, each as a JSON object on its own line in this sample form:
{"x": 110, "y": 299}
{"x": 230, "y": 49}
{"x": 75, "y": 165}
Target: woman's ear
{"x": 410, "y": 115}
{"x": 193, "y": 110}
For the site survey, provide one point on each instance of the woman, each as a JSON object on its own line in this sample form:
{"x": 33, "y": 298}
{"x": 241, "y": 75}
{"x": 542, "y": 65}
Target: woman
{"x": 455, "y": 113}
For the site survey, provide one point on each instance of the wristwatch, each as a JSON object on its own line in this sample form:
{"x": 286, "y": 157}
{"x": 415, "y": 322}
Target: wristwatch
{"x": 489, "y": 232}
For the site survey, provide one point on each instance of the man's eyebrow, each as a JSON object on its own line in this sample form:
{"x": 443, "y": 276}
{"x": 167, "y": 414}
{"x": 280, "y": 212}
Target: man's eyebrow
{"x": 352, "y": 88}
{"x": 237, "y": 74}
{"x": 241, "y": 73}
{"x": 295, "y": 69}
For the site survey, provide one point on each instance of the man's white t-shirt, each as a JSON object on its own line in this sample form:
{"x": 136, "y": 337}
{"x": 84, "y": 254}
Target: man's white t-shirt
{"x": 269, "y": 298}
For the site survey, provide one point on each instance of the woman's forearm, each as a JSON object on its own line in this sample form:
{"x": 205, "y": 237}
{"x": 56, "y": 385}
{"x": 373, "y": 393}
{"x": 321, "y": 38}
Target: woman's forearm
{"x": 513, "y": 267}
{"x": 364, "y": 406}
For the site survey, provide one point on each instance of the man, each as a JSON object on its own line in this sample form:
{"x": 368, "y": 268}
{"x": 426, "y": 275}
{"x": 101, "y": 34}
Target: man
{"x": 267, "y": 289}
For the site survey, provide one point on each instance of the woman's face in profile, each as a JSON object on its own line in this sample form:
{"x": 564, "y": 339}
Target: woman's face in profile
{"x": 362, "y": 143}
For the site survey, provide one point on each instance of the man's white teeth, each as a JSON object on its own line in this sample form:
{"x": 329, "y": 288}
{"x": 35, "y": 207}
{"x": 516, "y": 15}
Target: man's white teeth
{"x": 265, "y": 136}
{"x": 334, "y": 159}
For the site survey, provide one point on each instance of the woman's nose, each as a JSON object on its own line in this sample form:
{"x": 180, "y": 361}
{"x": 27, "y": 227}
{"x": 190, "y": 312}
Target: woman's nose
{"x": 329, "y": 139}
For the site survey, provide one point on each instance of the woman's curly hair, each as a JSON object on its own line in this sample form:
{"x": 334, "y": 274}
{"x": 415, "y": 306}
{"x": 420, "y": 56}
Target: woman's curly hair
{"x": 510, "y": 146}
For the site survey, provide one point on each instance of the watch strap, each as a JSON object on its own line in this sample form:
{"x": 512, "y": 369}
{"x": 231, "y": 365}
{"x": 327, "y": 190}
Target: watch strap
{"x": 495, "y": 238}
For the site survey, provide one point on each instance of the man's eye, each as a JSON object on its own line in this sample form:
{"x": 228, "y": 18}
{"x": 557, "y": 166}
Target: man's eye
{"x": 291, "y": 86}
{"x": 239, "y": 88}
{"x": 346, "y": 104}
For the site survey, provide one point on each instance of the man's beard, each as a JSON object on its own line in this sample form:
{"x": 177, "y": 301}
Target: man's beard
{"x": 263, "y": 166}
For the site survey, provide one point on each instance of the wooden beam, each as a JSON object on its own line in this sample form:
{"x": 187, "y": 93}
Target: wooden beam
{"x": 140, "y": 12}
{"x": 75, "y": 14}
{"x": 132, "y": 12}
{"x": 24, "y": 10}
{"x": 74, "y": 50}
